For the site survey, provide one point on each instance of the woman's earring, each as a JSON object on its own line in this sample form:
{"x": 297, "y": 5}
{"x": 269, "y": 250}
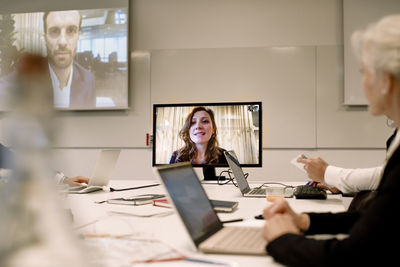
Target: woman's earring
{"x": 390, "y": 123}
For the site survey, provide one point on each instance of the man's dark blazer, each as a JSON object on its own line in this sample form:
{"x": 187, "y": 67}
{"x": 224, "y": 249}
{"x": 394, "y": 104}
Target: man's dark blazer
{"x": 83, "y": 90}
{"x": 6, "y": 157}
{"x": 374, "y": 231}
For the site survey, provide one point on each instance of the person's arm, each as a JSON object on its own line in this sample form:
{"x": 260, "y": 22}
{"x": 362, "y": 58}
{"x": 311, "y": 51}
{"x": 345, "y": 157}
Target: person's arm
{"x": 289, "y": 246}
{"x": 71, "y": 181}
{"x": 308, "y": 223}
{"x": 331, "y": 223}
{"x": 60, "y": 177}
{"x": 372, "y": 234}
{"x": 76, "y": 181}
{"x": 346, "y": 180}
{"x": 353, "y": 180}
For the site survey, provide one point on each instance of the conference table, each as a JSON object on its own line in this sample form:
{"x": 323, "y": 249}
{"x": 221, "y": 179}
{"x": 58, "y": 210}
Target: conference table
{"x": 144, "y": 235}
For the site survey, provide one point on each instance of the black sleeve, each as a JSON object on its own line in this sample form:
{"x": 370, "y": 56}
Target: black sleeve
{"x": 371, "y": 241}
{"x": 373, "y": 232}
{"x": 390, "y": 139}
{"x": 297, "y": 250}
{"x": 6, "y": 157}
{"x": 221, "y": 157}
{"x": 173, "y": 158}
{"x": 331, "y": 223}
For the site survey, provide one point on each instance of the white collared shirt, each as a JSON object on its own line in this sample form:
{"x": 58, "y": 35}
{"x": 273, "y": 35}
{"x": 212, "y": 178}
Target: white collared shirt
{"x": 355, "y": 180}
{"x": 61, "y": 95}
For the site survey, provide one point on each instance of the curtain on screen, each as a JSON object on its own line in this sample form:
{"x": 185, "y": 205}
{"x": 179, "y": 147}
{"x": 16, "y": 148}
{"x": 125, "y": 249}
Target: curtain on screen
{"x": 236, "y": 131}
{"x": 29, "y": 33}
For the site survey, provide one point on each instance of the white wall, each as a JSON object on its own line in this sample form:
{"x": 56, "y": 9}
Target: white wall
{"x": 286, "y": 53}
{"x": 136, "y": 163}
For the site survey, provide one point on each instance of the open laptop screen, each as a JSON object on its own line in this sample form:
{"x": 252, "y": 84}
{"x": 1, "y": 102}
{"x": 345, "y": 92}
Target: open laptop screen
{"x": 234, "y": 165}
{"x": 190, "y": 200}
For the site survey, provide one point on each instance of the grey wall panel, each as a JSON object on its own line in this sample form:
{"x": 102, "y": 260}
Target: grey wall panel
{"x": 174, "y": 24}
{"x": 283, "y": 78}
{"x": 113, "y": 128}
{"x": 337, "y": 124}
{"x": 358, "y": 14}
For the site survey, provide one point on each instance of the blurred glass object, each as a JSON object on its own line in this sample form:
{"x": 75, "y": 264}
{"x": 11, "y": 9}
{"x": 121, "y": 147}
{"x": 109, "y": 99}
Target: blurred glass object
{"x": 34, "y": 230}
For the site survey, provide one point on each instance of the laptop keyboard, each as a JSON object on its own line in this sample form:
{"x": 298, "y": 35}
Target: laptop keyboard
{"x": 84, "y": 189}
{"x": 240, "y": 237}
{"x": 257, "y": 191}
{"x": 76, "y": 188}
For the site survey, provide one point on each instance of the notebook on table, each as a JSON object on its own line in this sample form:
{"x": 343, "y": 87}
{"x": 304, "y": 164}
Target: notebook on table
{"x": 105, "y": 165}
{"x": 200, "y": 219}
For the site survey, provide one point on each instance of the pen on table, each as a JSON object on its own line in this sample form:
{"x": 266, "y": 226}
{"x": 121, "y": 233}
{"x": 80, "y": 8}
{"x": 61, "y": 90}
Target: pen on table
{"x": 312, "y": 183}
{"x": 206, "y": 261}
{"x": 132, "y": 188}
{"x": 231, "y": 221}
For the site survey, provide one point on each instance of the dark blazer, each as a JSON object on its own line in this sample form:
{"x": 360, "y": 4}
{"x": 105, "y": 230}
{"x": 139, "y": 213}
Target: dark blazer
{"x": 390, "y": 139}
{"x": 221, "y": 157}
{"x": 374, "y": 231}
{"x": 362, "y": 197}
{"x": 83, "y": 90}
{"x": 6, "y": 157}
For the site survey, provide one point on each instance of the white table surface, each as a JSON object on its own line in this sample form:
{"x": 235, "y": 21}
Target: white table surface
{"x": 92, "y": 218}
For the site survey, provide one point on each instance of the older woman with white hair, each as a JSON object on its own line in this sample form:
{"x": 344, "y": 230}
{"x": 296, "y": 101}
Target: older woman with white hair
{"x": 372, "y": 232}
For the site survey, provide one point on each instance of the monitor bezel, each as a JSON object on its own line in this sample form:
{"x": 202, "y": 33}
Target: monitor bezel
{"x": 260, "y": 151}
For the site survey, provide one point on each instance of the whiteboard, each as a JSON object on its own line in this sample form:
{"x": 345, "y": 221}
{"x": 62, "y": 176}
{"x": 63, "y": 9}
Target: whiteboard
{"x": 357, "y": 14}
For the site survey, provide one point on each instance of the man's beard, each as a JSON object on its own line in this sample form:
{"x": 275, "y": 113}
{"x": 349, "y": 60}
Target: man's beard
{"x": 61, "y": 62}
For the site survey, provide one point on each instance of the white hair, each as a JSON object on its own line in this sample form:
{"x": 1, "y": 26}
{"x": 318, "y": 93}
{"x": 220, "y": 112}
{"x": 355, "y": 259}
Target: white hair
{"x": 379, "y": 46}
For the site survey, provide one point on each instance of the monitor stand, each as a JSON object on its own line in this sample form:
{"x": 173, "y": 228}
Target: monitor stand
{"x": 209, "y": 173}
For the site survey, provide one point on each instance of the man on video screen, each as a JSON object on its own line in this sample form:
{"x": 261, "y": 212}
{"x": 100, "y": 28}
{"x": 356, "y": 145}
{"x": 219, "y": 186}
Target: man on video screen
{"x": 73, "y": 85}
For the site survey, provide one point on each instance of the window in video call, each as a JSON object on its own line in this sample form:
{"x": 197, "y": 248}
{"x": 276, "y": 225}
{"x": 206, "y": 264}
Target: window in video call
{"x": 87, "y": 52}
{"x": 179, "y": 128}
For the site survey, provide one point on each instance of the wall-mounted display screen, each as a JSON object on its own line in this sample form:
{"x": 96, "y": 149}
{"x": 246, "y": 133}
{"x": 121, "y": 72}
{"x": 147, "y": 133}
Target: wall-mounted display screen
{"x": 87, "y": 52}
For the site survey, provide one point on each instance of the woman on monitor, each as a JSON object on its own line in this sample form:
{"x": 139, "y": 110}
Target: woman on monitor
{"x": 199, "y": 133}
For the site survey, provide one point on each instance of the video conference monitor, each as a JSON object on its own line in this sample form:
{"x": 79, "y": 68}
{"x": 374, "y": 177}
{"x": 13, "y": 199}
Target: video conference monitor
{"x": 181, "y": 131}
{"x": 87, "y": 52}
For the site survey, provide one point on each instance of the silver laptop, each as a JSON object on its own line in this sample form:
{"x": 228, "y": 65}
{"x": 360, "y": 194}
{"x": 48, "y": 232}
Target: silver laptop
{"x": 244, "y": 186}
{"x": 199, "y": 218}
{"x": 101, "y": 174}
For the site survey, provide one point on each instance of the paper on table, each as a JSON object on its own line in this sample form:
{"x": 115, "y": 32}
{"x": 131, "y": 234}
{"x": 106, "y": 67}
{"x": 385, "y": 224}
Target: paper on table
{"x": 124, "y": 251}
{"x": 84, "y": 211}
{"x": 298, "y": 164}
{"x": 138, "y": 211}
{"x": 116, "y": 251}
